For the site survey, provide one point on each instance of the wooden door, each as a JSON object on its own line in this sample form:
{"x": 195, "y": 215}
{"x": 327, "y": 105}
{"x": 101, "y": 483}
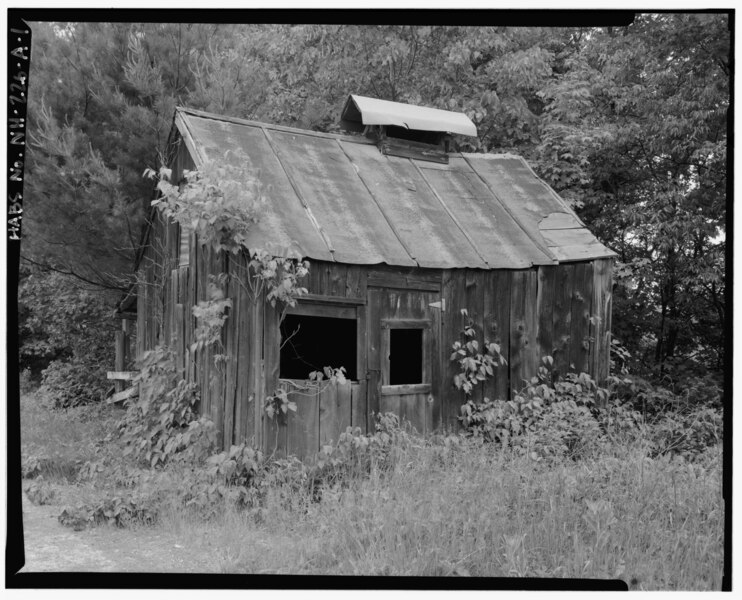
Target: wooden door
{"x": 407, "y": 323}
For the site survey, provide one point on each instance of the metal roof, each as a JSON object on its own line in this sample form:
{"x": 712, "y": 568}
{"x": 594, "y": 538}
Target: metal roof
{"x": 337, "y": 198}
{"x": 372, "y": 111}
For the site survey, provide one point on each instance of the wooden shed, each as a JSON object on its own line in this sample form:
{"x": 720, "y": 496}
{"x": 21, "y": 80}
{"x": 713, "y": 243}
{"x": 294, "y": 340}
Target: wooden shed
{"x": 401, "y": 234}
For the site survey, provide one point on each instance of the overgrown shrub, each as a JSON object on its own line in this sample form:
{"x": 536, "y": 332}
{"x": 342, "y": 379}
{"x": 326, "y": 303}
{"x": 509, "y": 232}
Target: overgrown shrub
{"x": 618, "y": 419}
{"x": 357, "y": 454}
{"x": 565, "y": 428}
{"x": 242, "y": 478}
{"x": 118, "y": 511}
{"x": 703, "y": 390}
{"x": 162, "y": 421}
{"x": 26, "y": 382}
{"x": 67, "y": 335}
{"x": 40, "y": 492}
{"x": 74, "y": 382}
{"x": 227, "y": 477}
{"x": 640, "y": 395}
{"x": 549, "y": 417}
{"x": 32, "y": 466}
{"x": 688, "y": 434}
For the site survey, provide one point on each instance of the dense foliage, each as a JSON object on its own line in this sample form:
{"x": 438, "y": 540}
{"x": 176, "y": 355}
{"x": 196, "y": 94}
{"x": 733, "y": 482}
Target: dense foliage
{"x": 628, "y": 124}
{"x": 67, "y": 336}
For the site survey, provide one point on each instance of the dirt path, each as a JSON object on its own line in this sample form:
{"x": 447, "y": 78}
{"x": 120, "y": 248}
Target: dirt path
{"x": 51, "y": 547}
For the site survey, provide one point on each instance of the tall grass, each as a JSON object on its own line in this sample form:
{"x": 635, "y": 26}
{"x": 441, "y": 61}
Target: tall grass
{"x": 61, "y": 440}
{"x": 476, "y": 510}
{"x": 459, "y": 508}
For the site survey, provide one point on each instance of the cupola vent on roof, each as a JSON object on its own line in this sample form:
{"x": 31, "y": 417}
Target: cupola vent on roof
{"x": 405, "y": 130}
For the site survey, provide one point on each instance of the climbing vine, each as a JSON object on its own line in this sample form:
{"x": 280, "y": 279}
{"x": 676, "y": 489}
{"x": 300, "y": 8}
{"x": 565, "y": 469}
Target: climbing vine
{"x": 220, "y": 202}
{"x": 476, "y": 361}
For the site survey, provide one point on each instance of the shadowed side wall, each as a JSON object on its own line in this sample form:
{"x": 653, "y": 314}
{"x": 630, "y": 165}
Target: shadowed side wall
{"x": 563, "y": 311}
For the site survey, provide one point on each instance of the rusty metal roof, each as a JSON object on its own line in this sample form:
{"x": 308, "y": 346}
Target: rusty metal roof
{"x": 372, "y": 111}
{"x": 337, "y": 198}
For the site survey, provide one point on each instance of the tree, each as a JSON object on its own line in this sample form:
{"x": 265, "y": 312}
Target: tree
{"x": 102, "y": 102}
{"x": 635, "y": 134}
{"x": 628, "y": 124}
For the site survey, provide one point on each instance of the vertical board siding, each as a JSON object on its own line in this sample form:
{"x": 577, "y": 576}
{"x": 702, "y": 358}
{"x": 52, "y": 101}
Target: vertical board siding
{"x": 198, "y": 296}
{"x": 474, "y": 305}
{"x": 216, "y": 381}
{"x": 600, "y": 329}
{"x": 579, "y": 347}
{"x": 344, "y": 408}
{"x": 605, "y": 363}
{"x": 355, "y": 282}
{"x": 523, "y": 324}
{"x": 303, "y": 425}
{"x": 497, "y": 330}
{"x": 328, "y": 414}
{"x": 454, "y": 290}
{"x": 358, "y": 410}
{"x": 390, "y": 404}
{"x": 545, "y": 307}
{"x": 335, "y": 279}
{"x": 413, "y": 411}
{"x": 184, "y": 319}
{"x": 323, "y": 413}
{"x": 256, "y": 370}
{"x": 243, "y": 430}
{"x": 275, "y": 428}
{"x": 338, "y": 275}
{"x": 562, "y": 322}
{"x": 374, "y": 356}
{"x": 231, "y": 351}
{"x": 358, "y": 402}
{"x": 437, "y": 349}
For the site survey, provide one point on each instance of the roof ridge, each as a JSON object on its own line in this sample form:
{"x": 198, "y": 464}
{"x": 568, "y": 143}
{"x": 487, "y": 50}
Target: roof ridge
{"x": 284, "y": 128}
{"x": 490, "y": 154}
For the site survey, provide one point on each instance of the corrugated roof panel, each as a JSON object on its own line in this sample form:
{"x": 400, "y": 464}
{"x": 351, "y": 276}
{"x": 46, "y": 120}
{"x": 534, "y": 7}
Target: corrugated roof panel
{"x": 498, "y": 238}
{"x": 528, "y": 198}
{"x": 341, "y": 203}
{"x": 418, "y": 217}
{"x": 575, "y": 244}
{"x": 384, "y": 112}
{"x": 340, "y": 199}
{"x": 514, "y": 183}
{"x": 285, "y": 221}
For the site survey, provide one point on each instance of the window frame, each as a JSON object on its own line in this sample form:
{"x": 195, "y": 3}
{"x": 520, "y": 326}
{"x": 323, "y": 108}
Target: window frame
{"x": 333, "y": 307}
{"x": 426, "y": 325}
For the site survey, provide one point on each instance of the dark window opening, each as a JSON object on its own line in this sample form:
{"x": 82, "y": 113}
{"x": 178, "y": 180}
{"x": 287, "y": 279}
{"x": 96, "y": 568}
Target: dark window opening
{"x": 414, "y": 135}
{"x": 405, "y": 356}
{"x": 313, "y": 343}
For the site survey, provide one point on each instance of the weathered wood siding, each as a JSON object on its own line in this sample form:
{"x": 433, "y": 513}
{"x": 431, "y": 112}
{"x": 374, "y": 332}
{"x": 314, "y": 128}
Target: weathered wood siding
{"x": 563, "y": 311}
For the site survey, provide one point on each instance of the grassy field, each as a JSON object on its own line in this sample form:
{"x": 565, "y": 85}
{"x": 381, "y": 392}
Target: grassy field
{"x": 459, "y": 508}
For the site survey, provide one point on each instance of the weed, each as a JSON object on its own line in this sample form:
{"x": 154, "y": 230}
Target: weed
{"x": 389, "y": 502}
{"x": 40, "y": 492}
